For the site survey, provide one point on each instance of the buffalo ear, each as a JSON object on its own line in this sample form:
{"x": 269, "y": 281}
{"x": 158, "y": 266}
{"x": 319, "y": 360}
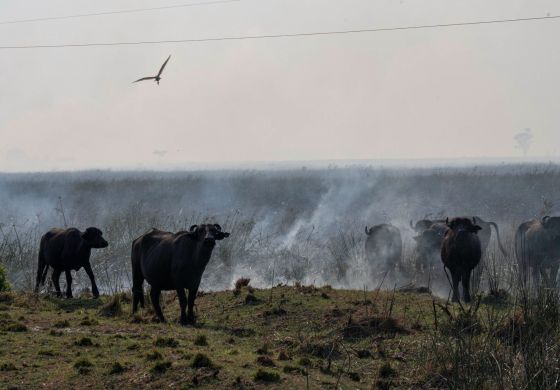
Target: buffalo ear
{"x": 474, "y": 220}
{"x": 476, "y": 228}
{"x": 218, "y": 227}
{"x": 193, "y": 228}
{"x": 368, "y": 232}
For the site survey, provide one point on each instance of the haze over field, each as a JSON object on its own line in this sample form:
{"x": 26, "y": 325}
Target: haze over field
{"x": 460, "y": 92}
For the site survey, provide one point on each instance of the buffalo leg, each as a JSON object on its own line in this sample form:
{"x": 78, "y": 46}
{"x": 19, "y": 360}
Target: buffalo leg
{"x": 40, "y": 269}
{"x": 55, "y": 277}
{"x": 553, "y": 275}
{"x": 455, "y": 281}
{"x": 183, "y": 303}
{"x": 137, "y": 290}
{"x": 192, "y": 297}
{"x": 68, "y": 284}
{"x": 154, "y": 294}
{"x": 89, "y": 272}
{"x": 466, "y": 280}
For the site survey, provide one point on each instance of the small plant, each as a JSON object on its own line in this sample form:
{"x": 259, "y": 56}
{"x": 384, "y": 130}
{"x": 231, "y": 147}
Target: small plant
{"x": 7, "y": 367}
{"x": 160, "y": 367}
{"x": 54, "y": 332}
{"x": 168, "y": 342}
{"x": 251, "y": 299}
{"x": 201, "y": 340}
{"x": 154, "y": 355}
{"x": 117, "y": 368}
{"x": 4, "y": 284}
{"x": 201, "y": 360}
{"x": 283, "y": 355}
{"x": 266, "y": 376}
{"x": 386, "y": 371}
{"x": 239, "y": 284}
{"x": 84, "y": 342}
{"x": 62, "y": 324}
{"x": 113, "y": 308}
{"x": 305, "y": 362}
{"x": 83, "y": 366}
{"x": 16, "y": 327}
{"x": 265, "y": 361}
{"x": 45, "y": 352}
{"x": 89, "y": 321}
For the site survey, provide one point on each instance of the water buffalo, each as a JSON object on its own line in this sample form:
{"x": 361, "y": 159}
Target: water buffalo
{"x": 172, "y": 261}
{"x": 537, "y": 246}
{"x": 484, "y": 235}
{"x": 428, "y": 246}
{"x": 384, "y": 247}
{"x": 460, "y": 253}
{"x": 67, "y": 250}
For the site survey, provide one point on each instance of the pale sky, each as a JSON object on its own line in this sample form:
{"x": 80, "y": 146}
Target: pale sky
{"x": 436, "y": 93}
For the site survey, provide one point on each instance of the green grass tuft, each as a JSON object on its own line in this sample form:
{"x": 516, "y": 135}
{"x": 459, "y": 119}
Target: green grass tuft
{"x": 266, "y": 376}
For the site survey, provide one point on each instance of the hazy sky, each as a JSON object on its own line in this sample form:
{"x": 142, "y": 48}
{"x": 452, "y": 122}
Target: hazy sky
{"x": 437, "y": 93}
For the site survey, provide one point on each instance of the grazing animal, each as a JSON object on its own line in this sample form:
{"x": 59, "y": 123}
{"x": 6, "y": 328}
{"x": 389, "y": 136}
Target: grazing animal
{"x": 537, "y": 247}
{"x": 428, "y": 247}
{"x": 485, "y": 234}
{"x": 424, "y": 224}
{"x": 172, "y": 261}
{"x": 460, "y": 253}
{"x": 156, "y": 78}
{"x": 384, "y": 247}
{"x": 67, "y": 250}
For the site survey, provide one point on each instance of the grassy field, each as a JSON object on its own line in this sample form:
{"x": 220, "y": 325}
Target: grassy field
{"x": 290, "y": 337}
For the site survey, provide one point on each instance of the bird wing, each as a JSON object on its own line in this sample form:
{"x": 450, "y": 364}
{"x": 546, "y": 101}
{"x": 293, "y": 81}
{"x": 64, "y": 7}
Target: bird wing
{"x": 144, "y": 78}
{"x": 163, "y": 66}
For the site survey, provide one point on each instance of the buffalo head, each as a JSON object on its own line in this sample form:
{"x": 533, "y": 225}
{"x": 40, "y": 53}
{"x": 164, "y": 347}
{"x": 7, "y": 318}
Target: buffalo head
{"x": 208, "y": 233}
{"x": 463, "y": 224}
{"x": 552, "y": 225}
{"x": 94, "y": 238}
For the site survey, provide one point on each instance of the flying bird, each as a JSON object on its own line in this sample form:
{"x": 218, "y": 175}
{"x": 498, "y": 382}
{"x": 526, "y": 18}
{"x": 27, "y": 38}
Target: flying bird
{"x": 158, "y": 77}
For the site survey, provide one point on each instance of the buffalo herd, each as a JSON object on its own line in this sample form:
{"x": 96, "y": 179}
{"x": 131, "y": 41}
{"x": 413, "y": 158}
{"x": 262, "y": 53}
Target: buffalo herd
{"x": 176, "y": 261}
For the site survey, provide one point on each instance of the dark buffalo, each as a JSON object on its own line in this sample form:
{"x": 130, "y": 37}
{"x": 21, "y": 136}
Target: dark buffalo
{"x": 537, "y": 247}
{"x": 424, "y": 224}
{"x": 67, "y": 250}
{"x": 484, "y": 235}
{"x": 383, "y": 247}
{"x": 428, "y": 247}
{"x": 460, "y": 253}
{"x": 172, "y": 261}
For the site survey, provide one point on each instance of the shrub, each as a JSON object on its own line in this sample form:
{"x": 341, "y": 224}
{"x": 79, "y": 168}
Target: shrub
{"x": 160, "y": 367}
{"x": 201, "y": 340}
{"x": 83, "y": 366}
{"x": 4, "y": 284}
{"x": 154, "y": 355}
{"x": 84, "y": 342}
{"x": 266, "y": 376}
{"x": 201, "y": 360}
{"x": 112, "y": 308}
{"x": 117, "y": 368}
{"x": 169, "y": 342}
{"x": 62, "y": 324}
